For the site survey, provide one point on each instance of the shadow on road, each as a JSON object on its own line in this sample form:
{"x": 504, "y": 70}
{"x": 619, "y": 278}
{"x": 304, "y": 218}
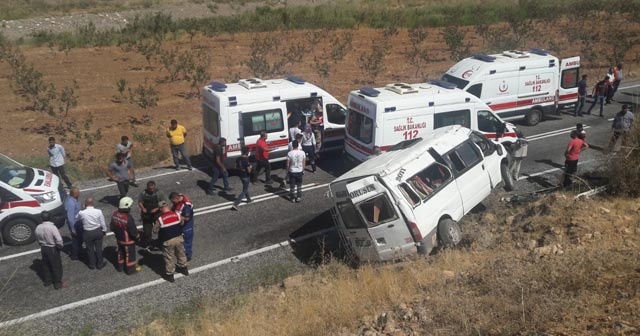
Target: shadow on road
{"x": 550, "y": 163}
{"x": 153, "y": 261}
{"x": 111, "y": 200}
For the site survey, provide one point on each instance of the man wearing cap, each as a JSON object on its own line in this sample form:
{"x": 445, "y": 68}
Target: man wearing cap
{"x": 219, "y": 168}
{"x": 124, "y": 228}
{"x": 169, "y": 229}
{"x": 50, "y": 242}
{"x": 183, "y": 206}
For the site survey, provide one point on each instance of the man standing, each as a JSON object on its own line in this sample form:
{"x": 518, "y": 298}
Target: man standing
{"x": 617, "y": 78}
{"x": 125, "y": 147}
{"x": 582, "y": 96}
{"x": 94, "y": 228}
{"x": 295, "y": 129}
{"x": 183, "y": 206}
{"x": 296, "y": 162}
{"x": 262, "y": 158}
{"x": 572, "y": 155}
{"x": 598, "y": 96}
{"x": 177, "y": 134}
{"x": 72, "y": 207}
{"x": 124, "y": 228}
{"x": 169, "y": 230}
{"x": 120, "y": 172}
{"x": 621, "y": 125}
{"x": 218, "y": 167}
{"x": 50, "y": 242}
{"x": 243, "y": 165}
{"x": 149, "y": 204}
{"x": 56, "y": 160}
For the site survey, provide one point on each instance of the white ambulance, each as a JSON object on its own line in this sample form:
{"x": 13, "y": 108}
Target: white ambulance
{"x": 380, "y": 118}
{"x": 410, "y": 198}
{"x": 24, "y": 193}
{"x": 239, "y": 111}
{"x": 519, "y": 84}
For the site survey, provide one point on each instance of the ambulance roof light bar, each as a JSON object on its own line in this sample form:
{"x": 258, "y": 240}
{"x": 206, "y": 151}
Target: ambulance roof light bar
{"x": 252, "y": 83}
{"x": 484, "y": 57}
{"x": 295, "y": 79}
{"x": 443, "y": 84}
{"x": 369, "y": 92}
{"x": 539, "y": 51}
{"x": 217, "y": 86}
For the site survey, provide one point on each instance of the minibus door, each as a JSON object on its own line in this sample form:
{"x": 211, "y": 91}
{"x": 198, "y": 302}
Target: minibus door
{"x": 389, "y": 235}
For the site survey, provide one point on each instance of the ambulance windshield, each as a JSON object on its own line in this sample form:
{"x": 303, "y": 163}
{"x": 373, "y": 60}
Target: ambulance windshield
{"x": 13, "y": 173}
{"x": 459, "y": 82}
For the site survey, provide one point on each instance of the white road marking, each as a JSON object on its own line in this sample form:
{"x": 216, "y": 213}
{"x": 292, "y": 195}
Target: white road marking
{"x": 112, "y": 184}
{"x": 628, "y": 87}
{"x": 526, "y": 176}
{"x": 197, "y": 212}
{"x": 552, "y": 133}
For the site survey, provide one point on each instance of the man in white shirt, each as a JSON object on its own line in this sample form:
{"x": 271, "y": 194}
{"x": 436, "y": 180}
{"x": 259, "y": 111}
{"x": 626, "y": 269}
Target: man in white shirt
{"x": 126, "y": 147}
{"x": 296, "y": 161}
{"x": 94, "y": 228}
{"x": 56, "y": 160}
{"x": 295, "y": 130}
{"x": 50, "y": 242}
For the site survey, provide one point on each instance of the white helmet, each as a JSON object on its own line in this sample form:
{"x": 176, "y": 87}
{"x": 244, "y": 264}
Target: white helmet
{"x": 125, "y": 203}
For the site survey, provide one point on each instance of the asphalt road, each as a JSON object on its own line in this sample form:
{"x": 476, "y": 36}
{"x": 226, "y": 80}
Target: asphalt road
{"x": 231, "y": 248}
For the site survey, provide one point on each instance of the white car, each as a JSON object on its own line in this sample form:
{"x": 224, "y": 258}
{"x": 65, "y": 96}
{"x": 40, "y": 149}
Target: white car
{"x": 24, "y": 193}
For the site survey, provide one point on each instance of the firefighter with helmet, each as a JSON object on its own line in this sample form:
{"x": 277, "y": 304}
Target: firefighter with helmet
{"x": 124, "y": 227}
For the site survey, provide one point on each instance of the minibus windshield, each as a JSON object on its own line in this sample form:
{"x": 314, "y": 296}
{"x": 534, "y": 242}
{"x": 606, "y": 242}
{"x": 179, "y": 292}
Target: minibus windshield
{"x": 13, "y": 173}
{"x": 350, "y": 216}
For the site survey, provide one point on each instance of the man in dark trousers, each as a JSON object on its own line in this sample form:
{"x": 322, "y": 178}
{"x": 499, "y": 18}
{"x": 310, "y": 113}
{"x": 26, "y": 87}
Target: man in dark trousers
{"x": 599, "y": 92}
{"x": 94, "y": 229}
{"x": 243, "y": 165}
{"x": 572, "y": 155}
{"x": 262, "y": 158}
{"x": 124, "y": 228}
{"x": 219, "y": 168}
{"x": 183, "y": 206}
{"x": 120, "y": 171}
{"x": 50, "y": 242}
{"x": 72, "y": 207}
{"x": 582, "y": 96}
{"x": 148, "y": 202}
{"x": 169, "y": 230}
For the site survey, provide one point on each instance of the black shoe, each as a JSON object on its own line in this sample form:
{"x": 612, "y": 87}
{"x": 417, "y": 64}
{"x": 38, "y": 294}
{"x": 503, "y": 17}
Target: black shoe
{"x": 101, "y": 266}
{"x": 170, "y": 278}
{"x": 190, "y": 168}
{"x": 228, "y": 189}
{"x": 268, "y": 182}
{"x": 176, "y": 168}
{"x": 47, "y": 284}
{"x": 133, "y": 184}
{"x": 249, "y": 200}
{"x": 184, "y": 271}
{"x": 210, "y": 192}
{"x": 92, "y": 267}
{"x": 61, "y": 285}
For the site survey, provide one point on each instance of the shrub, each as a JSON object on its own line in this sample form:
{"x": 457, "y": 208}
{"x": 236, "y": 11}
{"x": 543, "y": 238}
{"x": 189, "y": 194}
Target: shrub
{"x": 454, "y": 38}
{"x": 144, "y": 96}
{"x": 624, "y": 170}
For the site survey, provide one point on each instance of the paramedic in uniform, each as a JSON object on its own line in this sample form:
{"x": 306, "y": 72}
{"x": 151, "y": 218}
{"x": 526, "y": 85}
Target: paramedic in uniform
{"x": 183, "y": 206}
{"x": 124, "y": 228}
{"x": 169, "y": 230}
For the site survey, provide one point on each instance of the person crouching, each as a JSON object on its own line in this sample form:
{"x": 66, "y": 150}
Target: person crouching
{"x": 168, "y": 227}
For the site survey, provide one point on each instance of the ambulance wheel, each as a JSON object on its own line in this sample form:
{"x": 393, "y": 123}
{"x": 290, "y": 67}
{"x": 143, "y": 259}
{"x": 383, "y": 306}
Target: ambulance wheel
{"x": 19, "y": 231}
{"x": 506, "y": 177}
{"x": 449, "y": 233}
{"x": 533, "y": 117}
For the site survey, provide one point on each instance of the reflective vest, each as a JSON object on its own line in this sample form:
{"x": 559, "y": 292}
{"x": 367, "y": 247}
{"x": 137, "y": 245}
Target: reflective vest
{"x": 185, "y": 201}
{"x": 169, "y": 225}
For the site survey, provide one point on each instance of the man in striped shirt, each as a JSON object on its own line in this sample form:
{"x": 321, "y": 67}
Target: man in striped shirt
{"x": 168, "y": 227}
{"x": 50, "y": 242}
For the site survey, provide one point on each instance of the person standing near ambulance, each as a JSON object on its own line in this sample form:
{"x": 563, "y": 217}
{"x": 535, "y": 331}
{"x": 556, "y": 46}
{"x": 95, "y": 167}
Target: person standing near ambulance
{"x": 50, "y": 241}
{"x": 56, "y": 160}
{"x": 94, "y": 229}
{"x": 582, "y": 96}
{"x": 177, "y": 134}
{"x": 243, "y": 165}
{"x": 183, "y": 206}
{"x": 262, "y": 158}
{"x": 168, "y": 227}
{"x": 218, "y": 168}
{"x": 72, "y": 207}
{"x": 599, "y": 92}
{"x": 296, "y": 161}
{"x": 124, "y": 228}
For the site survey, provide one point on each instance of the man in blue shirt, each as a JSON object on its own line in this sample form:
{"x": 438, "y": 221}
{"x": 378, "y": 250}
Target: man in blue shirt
{"x": 56, "y": 160}
{"x": 183, "y": 206}
{"x": 72, "y": 207}
{"x": 582, "y": 96}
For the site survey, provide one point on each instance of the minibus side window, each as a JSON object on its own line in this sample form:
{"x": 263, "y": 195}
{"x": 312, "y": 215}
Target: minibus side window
{"x": 429, "y": 180}
{"x": 377, "y": 210}
{"x": 465, "y": 155}
{"x": 409, "y": 194}
{"x": 486, "y": 146}
{"x": 350, "y": 216}
{"x": 462, "y": 117}
{"x": 336, "y": 114}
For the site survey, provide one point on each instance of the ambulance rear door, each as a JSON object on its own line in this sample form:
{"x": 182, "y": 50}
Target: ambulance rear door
{"x": 568, "y": 86}
{"x": 334, "y": 117}
{"x": 270, "y": 117}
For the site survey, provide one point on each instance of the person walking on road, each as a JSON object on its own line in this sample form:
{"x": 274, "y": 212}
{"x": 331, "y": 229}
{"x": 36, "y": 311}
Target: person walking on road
{"x": 219, "y": 168}
{"x": 177, "y": 134}
{"x": 56, "y": 160}
{"x": 244, "y": 167}
{"x": 94, "y": 229}
{"x": 582, "y": 96}
{"x": 120, "y": 172}
{"x": 621, "y": 125}
{"x": 183, "y": 206}
{"x": 51, "y": 244}
{"x": 125, "y": 147}
{"x": 169, "y": 230}
{"x": 149, "y": 204}
{"x": 599, "y": 92}
{"x": 124, "y": 228}
{"x": 572, "y": 155}
{"x": 262, "y": 158}
{"x": 296, "y": 161}
{"x": 72, "y": 207}
{"x": 309, "y": 146}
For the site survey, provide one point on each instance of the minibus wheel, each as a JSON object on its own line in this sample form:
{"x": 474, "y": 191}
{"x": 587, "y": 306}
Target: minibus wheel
{"x": 506, "y": 177}
{"x": 19, "y": 231}
{"x": 533, "y": 117}
{"x": 449, "y": 233}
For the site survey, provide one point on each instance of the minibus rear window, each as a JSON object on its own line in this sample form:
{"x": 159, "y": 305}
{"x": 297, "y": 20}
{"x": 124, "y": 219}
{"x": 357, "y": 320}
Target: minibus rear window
{"x": 377, "y": 210}
{"x": 350, "y": 216}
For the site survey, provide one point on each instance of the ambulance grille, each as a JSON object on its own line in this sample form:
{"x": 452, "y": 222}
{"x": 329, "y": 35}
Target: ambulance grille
{"x": 515, "y": 53}
{"x": 401, "y": 88}
{"x": 252, "y": 83}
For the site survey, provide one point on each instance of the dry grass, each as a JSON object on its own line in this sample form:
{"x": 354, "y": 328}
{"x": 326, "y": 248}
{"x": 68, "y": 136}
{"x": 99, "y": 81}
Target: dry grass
{"x": 497, "y": 284}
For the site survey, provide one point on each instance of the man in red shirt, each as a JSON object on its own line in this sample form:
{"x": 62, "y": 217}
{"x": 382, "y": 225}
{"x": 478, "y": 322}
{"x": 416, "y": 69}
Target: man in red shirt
{"x": 572, "y": 155}
{"x": 262, "y": 158}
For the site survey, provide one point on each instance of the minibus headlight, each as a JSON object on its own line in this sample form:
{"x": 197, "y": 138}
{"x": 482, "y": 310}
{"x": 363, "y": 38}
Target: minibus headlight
{"x": 46, "y": 197}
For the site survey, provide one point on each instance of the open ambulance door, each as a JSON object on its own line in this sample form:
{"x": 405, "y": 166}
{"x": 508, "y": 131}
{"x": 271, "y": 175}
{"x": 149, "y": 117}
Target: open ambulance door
{"x": 567, "y": 93}
{"x": 383, "y": 233}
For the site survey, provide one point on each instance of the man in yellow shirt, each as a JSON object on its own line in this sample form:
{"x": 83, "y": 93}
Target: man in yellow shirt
{"x": 176, "y": 134}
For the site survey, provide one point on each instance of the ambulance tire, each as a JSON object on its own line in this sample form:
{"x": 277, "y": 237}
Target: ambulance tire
{"x": 533, "y": 117}
{"x": 449, "y": 234}
{"x": 19, "y": 231}
{"x": 506, "y": 177}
